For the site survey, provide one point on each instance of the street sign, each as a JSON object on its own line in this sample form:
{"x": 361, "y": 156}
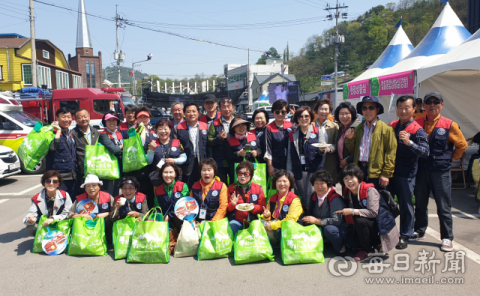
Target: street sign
{"x": 326, "y": 77}
{"x": 325, "y": 83}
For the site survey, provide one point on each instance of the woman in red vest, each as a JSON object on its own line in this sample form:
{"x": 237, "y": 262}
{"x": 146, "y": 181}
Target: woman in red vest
{"x": 131, "y": 202}
{"x": 368, "y": 212}
{"x": 241, "y": 138}
{"x": 165, "y": 149}
{"x": 167, "y": 194}
{"x": 286, "y": 205}
{"x": 103, "y": 199}
{"x": 210, "y": 193}
{"x": 112, "y": 139}
{"x": 244, "y": 191}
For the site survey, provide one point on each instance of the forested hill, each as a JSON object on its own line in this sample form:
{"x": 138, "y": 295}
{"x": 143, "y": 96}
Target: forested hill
{"x": 366, "y": 38}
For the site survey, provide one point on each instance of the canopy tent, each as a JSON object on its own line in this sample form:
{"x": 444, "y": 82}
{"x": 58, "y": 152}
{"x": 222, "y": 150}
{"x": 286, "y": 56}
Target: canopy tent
{"x": 446, "y": 33}
{"x": 398, "y": 48}
{"x": 456, "y": 75}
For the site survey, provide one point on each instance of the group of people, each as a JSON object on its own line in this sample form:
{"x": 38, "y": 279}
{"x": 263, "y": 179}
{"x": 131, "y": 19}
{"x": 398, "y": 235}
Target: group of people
{"x": 210, "y": 158}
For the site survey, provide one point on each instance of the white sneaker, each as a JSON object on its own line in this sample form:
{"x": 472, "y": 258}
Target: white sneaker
{"x": 447, "y": 245}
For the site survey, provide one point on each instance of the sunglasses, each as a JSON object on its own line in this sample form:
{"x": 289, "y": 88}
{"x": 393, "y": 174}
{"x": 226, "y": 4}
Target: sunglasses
{"x": 246, "y": 174}
{"x": 283, "y": 112}
{"x": 304, "y": 116}
{"x": 435, "y": 102}
{"x": 371, "y": 108}
{"x": 49, "y": 181}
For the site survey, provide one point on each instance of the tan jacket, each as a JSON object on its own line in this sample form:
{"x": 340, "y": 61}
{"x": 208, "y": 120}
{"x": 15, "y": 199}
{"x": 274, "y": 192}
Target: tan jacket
{"x": 331, "y": 159}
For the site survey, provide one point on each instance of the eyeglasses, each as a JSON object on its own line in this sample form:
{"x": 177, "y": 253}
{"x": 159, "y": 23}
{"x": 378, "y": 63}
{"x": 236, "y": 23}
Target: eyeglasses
{"x": 304, "y": 116}
{"x": 50, "y": 181}
{"x": 371, "y": 108}
{"x": 435, "y": 102}
{"x": 277, "y": 112}
{"x": 246, "y": 174}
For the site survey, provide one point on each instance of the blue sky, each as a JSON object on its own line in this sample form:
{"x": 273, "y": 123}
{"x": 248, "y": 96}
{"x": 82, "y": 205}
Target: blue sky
{"x": 174, "y": 56}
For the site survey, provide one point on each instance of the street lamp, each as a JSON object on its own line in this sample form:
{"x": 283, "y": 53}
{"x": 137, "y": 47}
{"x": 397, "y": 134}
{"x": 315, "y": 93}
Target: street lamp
{"x": 149, "y": 57}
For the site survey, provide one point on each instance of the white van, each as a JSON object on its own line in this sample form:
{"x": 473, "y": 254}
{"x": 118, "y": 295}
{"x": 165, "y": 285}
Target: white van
{"x": 15, "y": 126}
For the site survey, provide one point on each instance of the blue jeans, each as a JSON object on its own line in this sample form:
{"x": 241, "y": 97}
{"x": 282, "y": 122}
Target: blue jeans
{"x": 236, "y": 226}
{"x": 336, "y": 235}
{"x": 403, "y": 187}
{"x": 440, "y": 184}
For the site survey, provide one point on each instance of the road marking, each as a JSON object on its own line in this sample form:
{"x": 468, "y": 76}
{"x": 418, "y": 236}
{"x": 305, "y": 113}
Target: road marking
{"x": 22, "y": 192}
{"x": 459, "y": 215}
{"x": 3, "y": 200}
{"x": 456, "y": 246}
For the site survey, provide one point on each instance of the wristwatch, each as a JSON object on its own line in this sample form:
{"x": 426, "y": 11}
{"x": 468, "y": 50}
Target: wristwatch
{"x": 353, "y": 212}
{"x": 410, "y": 143}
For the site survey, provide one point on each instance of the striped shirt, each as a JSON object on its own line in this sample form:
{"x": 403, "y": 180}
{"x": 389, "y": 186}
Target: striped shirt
{"x": 366, "y": 141}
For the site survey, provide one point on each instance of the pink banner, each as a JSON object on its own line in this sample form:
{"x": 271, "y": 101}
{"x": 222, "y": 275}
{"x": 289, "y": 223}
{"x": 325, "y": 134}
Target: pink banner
{"x": 399, "y": 84}
{"x": 357, "y": 89}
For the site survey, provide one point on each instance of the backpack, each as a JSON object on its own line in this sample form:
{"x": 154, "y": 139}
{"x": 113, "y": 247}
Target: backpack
{"x": 392, "y": 205}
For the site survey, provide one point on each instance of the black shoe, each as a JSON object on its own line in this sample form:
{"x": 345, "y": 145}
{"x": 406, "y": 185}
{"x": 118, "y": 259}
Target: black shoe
{"x": 402, "y": 244}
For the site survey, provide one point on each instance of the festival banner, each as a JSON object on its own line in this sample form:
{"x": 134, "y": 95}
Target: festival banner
{"x": 356, "y": 89}
{"x": 399, "y": 84}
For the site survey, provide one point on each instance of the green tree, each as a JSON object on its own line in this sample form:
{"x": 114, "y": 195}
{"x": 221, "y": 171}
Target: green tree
{"x": 273, "y": 54}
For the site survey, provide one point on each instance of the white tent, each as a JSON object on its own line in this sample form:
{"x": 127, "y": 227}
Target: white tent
{"x": 456, "y": 75}
{"x": 446, "y": 34}
{"x": 398, "y": 48}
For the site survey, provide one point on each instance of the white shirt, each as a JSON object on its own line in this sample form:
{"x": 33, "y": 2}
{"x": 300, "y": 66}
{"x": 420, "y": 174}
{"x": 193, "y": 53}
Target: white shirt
{"x": 193, "y": 130}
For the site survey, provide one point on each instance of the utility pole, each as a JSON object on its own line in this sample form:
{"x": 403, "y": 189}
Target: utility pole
{"x": 118, "y": 55}
{"x": 32, "y": 44}
{"x": 337, "y": 39}
{"x": 249, "y": 90}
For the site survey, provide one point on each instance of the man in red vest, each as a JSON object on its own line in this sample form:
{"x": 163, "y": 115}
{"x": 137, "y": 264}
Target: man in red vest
{"x": 446, "y": 143}
{"x": 412, "y": 145}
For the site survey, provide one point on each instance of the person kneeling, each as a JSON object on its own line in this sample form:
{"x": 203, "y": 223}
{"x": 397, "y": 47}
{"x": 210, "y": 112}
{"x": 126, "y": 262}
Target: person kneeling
{"x": 368, "y": 212}
{"x": 324, "y": 204}
{"x": 131, "y": 202}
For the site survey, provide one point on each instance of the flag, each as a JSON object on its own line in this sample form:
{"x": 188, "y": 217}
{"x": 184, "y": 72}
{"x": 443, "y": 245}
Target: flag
{"x": 399, "y": 22}
{"x": 130, "y": 73}
{"x": 443, "y": 1}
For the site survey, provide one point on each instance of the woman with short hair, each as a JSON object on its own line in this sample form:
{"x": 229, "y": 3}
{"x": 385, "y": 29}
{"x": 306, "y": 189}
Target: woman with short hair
{"x": 93, "y": 191}
{"x": 51, "y": 202}
{"x": 260, "y": 119}
{"x": 135, "y": 203}
{"x": 165, "y": 149}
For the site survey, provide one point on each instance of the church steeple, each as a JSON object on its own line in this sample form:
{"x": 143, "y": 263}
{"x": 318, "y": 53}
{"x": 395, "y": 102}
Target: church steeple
{"x": 83, "y": 33}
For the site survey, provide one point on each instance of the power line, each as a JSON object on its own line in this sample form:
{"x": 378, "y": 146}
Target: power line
{"x": 17, "y": 17}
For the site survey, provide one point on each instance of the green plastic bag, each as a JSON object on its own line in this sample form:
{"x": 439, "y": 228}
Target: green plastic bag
{"x": 35, "y": 146}
{"x": 122, "y": 233}
{"x": 133, "y": 154}
{"x": 88, "y": 237}
{"x": 101, "y": 163}
{"x": 63, "y": 226}
{"x": 259, "y": 176}
{"x": 270, "y": 191}
{"x": 252, "y": 244}
{"x": 149, "y": 242}
{"x": 301, "y": 244}
{"x": 217, "y": 240}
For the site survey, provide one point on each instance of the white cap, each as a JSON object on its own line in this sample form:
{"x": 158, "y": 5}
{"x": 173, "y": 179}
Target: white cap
{"x": 91, "y": 179}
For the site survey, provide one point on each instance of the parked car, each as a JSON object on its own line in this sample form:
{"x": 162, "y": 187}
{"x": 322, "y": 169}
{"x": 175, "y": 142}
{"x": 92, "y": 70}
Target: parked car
{"x": 158, "y": 114}
{"x": 9, "y": 162}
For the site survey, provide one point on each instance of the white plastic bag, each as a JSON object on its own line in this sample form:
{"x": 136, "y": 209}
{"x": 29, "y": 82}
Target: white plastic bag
{"x": 187, "y": 243}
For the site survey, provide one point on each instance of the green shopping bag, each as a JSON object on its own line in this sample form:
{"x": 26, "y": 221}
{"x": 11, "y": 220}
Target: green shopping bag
{"x": 88, "y": 237}
{"x": 149, "y": 242}
{"x": 63, "y": 226}
{"x": 301, "y": 244}
{"x": 260, "y": 175}
{"x": 35, "y": 146}
{"x": 133, "y": 154}
{"x": 252, "y": 244}
{"x": 270, "y": 190}
{"x": 122, "y": 233}
{"x": 100, "y": 162}
{"x": 217, "y": 240}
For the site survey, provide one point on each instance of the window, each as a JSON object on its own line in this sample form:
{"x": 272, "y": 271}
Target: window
{"x": 62, "y": 80}
{"x": 46, "y": 54}
{"x": 86, "y": 51}
{"x": 25, "y": 118}
{"x": 77, "y": 81}
{"x": 44, "y": 76}
{"x": 88, "y": 73}
{"x": 27, "y": 74}
{"x": 1, "y": 73}
{"x": 70, "y": 105}
{"x": 93, "y": 74}
{"x": 8, "y": 125}
{"x": 103, "y": 106}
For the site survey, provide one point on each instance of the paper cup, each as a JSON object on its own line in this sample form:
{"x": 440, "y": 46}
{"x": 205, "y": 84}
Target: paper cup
{"x": 122, "y": 200}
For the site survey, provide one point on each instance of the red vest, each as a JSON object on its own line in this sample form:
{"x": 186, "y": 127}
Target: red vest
{"x": 362, "y": 194}
{"x": 330, "y": 196}
{"x": 212, "y": 200}
{"x": 287, "y": 202}
{"x": 412, "y": 128}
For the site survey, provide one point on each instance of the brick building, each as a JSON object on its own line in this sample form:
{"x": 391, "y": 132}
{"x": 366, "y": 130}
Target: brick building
{"x": 85, "y": 61}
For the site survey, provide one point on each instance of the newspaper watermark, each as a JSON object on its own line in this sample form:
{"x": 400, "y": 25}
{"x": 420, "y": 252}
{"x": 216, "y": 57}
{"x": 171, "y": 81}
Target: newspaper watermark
{"x": 425, "y": 263}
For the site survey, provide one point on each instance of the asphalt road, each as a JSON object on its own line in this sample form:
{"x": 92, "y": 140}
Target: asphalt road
{"x": 23, "y": 272}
